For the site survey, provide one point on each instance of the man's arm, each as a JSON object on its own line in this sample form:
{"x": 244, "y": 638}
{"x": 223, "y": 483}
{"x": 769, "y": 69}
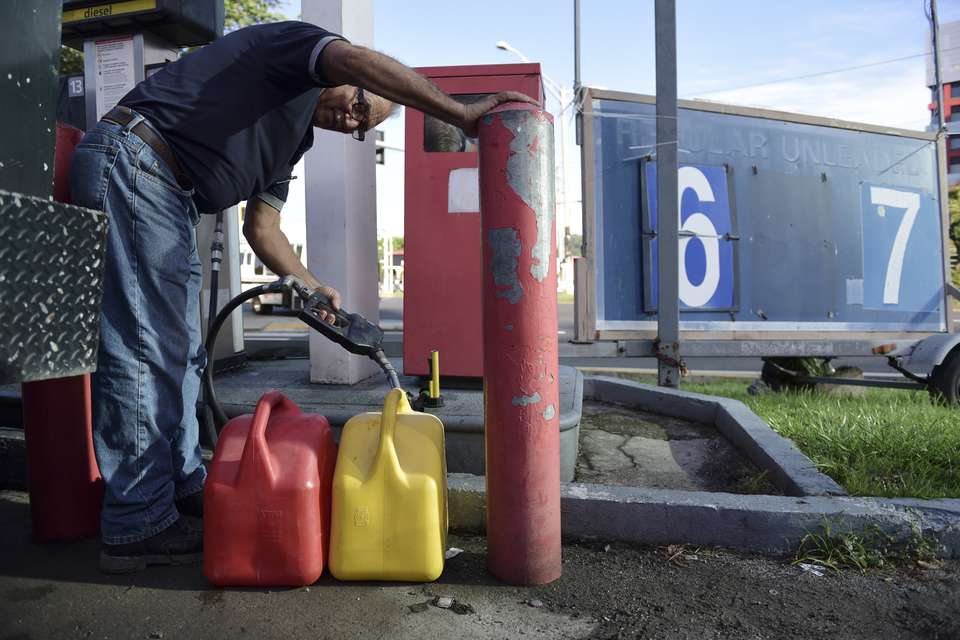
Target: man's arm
{"x": 261, "y": 228}
{"x": 344, "y": 63}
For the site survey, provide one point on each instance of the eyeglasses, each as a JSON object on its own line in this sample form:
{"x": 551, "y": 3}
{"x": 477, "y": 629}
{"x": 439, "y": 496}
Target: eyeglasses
{"x": 361, "y": 113}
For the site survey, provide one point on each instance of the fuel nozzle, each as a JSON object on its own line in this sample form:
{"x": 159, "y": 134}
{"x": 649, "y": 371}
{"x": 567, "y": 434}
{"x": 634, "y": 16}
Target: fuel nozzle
{"x": 351, "y": 331}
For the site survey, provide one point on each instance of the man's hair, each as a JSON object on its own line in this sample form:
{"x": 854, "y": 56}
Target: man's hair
{"x": 440, "y": 136}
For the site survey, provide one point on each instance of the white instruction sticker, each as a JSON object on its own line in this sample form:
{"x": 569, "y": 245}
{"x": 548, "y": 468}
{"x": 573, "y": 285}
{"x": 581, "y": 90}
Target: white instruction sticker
{"x": 463, "y": 191}
{"x": 115, "y": 72}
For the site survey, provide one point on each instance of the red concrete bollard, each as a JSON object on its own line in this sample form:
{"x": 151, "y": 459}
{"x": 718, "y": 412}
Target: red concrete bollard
{"x": 520, "y": 380}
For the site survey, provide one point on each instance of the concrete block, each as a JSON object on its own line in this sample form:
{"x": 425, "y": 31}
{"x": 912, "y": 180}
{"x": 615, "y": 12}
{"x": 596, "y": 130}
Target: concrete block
{"x": 668, "y": 402}
{"x": 467, "y": 502}
{"x": 788, "y": 468}
{"x": 462, "y": 413}
{"x": 757, "y": 524}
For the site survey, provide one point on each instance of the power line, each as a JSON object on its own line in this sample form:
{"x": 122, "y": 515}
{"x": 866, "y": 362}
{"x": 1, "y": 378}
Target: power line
{"x": 822, "y": 73}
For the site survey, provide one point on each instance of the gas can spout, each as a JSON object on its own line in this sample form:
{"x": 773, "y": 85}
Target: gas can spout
{"x": 381, "y": 359}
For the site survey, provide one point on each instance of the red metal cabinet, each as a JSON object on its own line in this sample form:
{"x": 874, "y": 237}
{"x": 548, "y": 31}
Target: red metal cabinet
{"x": 442, "y": 263}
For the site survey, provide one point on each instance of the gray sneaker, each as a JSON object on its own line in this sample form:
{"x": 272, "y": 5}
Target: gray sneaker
{"x": 178, "y": 544}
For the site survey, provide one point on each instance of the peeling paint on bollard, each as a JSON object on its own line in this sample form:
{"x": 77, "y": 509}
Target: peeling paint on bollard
{"x": 520, "y": 362}
{"x": 523, "y": 401}
{"x": 530, "y": 174}
{"x": 505, "y": 247}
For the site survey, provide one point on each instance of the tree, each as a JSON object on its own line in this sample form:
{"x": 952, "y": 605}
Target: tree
{"x": 243, "y": 13}
{"x": 71, "y": 61}
{"x": 237, "y": 14}
{"x": 954, "y": 203}
{"x": 573, "y": 244}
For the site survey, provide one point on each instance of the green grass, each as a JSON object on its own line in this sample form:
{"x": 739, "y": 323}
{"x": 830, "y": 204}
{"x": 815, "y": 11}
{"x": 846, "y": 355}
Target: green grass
{"x": 884, "y": 443}
{"x": 863, "y": 550}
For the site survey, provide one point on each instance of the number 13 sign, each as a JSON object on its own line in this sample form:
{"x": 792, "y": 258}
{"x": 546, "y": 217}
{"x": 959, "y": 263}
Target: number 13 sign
{"x": 707, "y": 239}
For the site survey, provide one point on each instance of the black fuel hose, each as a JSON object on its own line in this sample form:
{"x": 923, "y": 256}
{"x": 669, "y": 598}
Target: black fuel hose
{"x": 216, "y": 259}
{"x": 210, "y": 393}
{"x": 219, "y": 416}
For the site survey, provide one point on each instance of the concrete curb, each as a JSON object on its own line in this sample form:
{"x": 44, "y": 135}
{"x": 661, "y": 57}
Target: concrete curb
{"x": 694, "y": 374}
{"x": 789, "y": 469}
{"x": 758, "y": 524}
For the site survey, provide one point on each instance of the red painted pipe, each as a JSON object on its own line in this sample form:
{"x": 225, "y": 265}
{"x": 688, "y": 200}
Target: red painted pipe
{"x": 63, "y": 479}
{"x": 520, "y": 380}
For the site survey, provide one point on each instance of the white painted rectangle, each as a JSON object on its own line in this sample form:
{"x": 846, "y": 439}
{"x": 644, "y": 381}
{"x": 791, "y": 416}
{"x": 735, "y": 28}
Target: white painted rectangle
{"x": 854, "y": 290}
{"x": 463, "y": 191}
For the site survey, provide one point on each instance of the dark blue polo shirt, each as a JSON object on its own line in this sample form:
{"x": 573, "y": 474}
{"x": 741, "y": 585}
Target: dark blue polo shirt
{"x": 237, "y": 113}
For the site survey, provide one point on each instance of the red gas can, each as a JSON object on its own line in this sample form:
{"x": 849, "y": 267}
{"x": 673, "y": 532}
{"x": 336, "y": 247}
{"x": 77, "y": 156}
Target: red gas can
{"x": 266, "y": 503}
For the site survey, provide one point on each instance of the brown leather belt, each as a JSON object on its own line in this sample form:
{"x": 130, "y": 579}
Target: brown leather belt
{"x": 122, "y": 116}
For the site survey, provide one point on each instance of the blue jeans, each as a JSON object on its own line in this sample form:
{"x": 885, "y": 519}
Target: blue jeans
{"x": 151, "y": 356}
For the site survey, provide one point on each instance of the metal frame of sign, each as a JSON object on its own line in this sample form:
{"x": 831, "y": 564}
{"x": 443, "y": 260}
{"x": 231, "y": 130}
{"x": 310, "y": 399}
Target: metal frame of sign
{"x": 721, "y": 338}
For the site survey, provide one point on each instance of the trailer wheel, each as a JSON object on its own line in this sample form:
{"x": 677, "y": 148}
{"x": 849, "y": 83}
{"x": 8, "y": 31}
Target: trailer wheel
{"x": 260, "y": 308}
{"x": 945, "y": 380}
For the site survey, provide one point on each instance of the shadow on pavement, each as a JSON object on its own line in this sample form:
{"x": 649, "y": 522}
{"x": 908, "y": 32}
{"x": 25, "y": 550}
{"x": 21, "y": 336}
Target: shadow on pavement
{"x": 76, "y": 562}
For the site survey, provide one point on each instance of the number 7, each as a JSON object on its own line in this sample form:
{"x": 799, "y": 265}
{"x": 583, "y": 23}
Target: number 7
{"x": 899, "y": 200}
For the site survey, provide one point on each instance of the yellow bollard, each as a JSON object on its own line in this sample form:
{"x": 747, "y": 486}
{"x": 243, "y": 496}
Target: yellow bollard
{"x": 434, "y": 374}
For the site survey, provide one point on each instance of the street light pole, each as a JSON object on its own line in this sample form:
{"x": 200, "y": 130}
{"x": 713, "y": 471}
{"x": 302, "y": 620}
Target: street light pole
{"x": 936, "y": 62}
{"x": 578, "y": 123}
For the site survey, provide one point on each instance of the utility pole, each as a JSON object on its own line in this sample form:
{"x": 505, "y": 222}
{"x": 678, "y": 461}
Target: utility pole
{"x": 936, "y": 62}
{"x": 578, "y": 115}
{"x": 668, "y": 247}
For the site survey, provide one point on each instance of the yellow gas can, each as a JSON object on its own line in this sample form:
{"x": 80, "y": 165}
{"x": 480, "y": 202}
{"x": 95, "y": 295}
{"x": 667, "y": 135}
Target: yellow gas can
{"x": 390, "y": 496}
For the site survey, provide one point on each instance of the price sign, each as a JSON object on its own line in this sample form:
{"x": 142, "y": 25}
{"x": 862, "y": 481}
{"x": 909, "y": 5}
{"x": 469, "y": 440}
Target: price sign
{"x": 902, "y": 249}
{"x": 708, "y": 238}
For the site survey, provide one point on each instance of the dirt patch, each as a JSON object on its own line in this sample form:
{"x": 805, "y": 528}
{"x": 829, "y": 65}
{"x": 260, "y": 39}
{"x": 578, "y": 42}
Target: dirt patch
{"x": 678, "y": 592}
{"x": 622, "y": 446}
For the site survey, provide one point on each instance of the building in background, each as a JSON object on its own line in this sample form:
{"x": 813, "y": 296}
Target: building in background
{"x": 950, "y": 79}
{"x": 389, "y": 174}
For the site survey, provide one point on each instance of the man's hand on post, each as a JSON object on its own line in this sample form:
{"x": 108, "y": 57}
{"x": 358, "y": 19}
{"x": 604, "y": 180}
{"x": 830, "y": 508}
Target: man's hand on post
{"x": 474, "y": 111}
{"x": 343, "y": 63}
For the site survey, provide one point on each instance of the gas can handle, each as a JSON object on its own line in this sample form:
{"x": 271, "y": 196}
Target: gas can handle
{"x": 395, "y": 403}
{"x": 270, "y": 403}
{"x": 255, "y": 450}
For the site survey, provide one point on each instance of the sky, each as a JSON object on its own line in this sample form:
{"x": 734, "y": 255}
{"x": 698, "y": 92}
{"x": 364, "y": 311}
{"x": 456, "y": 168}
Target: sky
{"x": 742, "y": 52}
{"x": 721, "y": 44}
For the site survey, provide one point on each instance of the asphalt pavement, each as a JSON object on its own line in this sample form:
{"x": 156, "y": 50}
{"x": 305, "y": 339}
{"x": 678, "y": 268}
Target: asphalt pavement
{"x": 607, "y": 590}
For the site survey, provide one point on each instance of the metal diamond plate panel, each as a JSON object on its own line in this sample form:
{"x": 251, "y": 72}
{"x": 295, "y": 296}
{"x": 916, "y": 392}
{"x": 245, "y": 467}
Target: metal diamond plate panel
{"x": 51, "y": 281}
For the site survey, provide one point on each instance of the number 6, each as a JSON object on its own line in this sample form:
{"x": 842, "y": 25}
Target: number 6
{"x": 703, "y": 230}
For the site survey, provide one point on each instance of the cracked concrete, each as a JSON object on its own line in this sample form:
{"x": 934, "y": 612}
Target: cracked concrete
{"x": 621, "y": 446}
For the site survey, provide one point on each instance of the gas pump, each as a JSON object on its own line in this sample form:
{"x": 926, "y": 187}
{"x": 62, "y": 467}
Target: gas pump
{"x": 124, "y": 43}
